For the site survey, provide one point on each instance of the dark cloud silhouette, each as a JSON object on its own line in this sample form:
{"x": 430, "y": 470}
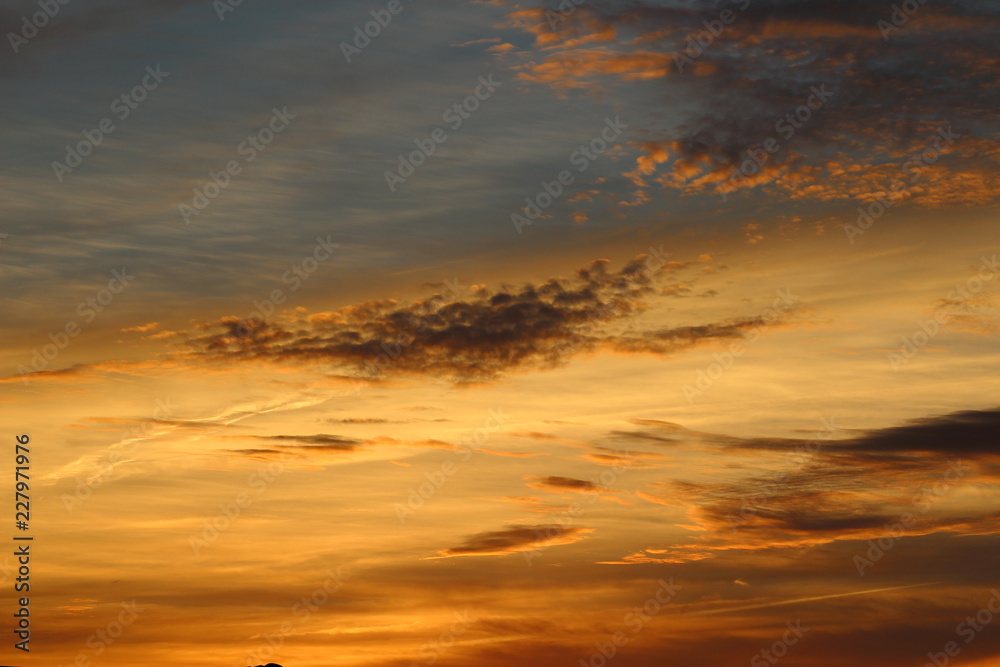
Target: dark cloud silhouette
{"x": 828, "y": 490}
{"x": 514, "y": 539}
{"x": 970, "y": 432}
{"x": 563, "y": 484}
{"x": 324, "y": 443}
{"x": 479, "y": 339}
{"x": 302, "y": 444}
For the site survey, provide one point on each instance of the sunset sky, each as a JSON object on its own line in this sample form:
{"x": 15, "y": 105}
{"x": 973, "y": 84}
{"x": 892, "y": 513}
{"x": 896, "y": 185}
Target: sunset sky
{"x": 489, "y": 333}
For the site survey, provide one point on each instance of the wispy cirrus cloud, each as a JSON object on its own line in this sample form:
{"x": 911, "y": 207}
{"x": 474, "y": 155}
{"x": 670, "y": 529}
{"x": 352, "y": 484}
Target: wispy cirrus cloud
{"x": 835, "y": 494}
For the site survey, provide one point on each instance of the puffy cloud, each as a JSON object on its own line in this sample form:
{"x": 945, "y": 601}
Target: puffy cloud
{"x": 849, "y": 92}
{"x": 478, "y": 339}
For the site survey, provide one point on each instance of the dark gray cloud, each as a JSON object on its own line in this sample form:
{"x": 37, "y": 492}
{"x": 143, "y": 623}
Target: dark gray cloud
{"x": 514, "y": 539}
{"x": 558, "y": 484}
{"x": 835, "y": 488}
{"x": 301, "y": 444}
{"x": 888, "y": 84}
{"x": 536, "y": 326}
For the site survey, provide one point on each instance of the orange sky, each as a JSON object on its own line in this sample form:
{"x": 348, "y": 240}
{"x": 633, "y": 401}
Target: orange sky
{"x": 680, "y": 418}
